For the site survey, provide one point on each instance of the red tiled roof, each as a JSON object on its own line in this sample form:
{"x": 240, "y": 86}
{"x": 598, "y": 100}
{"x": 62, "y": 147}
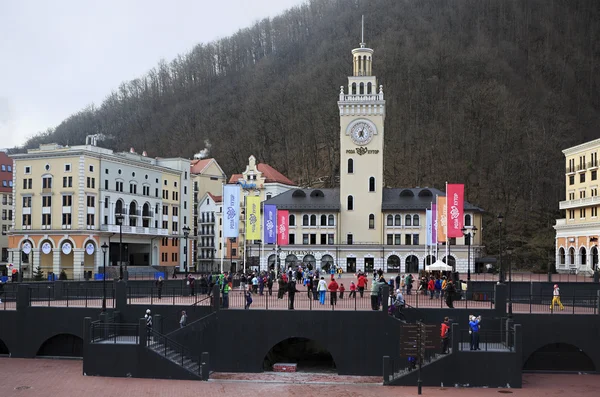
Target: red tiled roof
{"x": 197, "y": 166}
{"x": 216, "y": 199}
{"x": 272, "y": 175}
{"x": 234, "y": 178}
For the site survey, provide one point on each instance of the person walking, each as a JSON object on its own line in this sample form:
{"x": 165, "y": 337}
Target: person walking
{"x": 243, "y": 280}
{"x": 225, "y": 291}
{"x": 474, "y": 325}
{"x": 315, "y": 285}
{"x": 254, "y": 284}
{"x": 352, "y": 290}
{"x": 445, "y": 334}
{"x": 159, "y": 286}
{"x": 309, "y": 286}
{"x": 248, "y": 296}
{"x": 183, "y": 320}
{"x": 261, "y": 284}
{"x": 450, "y": 294}
{"x": 408, "y": 282}
{"x": 339, "y": 272}
{"x": 333, "y": 288}
{"x": 322, "y": 289}
{"x": 431, "y": 287}
{"x": 556, "y": 298}
{"x": 375, "y": 294}
{"x": 342, "y": 289}
{"x": 270, "y": 284}
{"x": 191, "y": 282}
{"x": 148, "y": 318}
{"x": 292, "y": 293}
{"x": 361, "y": 284}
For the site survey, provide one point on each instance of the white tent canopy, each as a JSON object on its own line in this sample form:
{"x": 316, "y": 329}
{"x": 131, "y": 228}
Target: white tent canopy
{"x": 438, "y": 266}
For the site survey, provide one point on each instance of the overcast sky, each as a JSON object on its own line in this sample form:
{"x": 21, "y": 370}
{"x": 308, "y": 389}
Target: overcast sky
{"x": 58, "y": 56}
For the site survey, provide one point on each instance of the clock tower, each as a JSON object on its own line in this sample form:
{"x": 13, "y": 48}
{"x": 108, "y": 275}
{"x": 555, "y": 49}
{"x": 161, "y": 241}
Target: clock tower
{"x": 362, "y": 113}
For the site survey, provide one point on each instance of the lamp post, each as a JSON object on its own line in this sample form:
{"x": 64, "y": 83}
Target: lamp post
{"x": 104, "y": 249}
{"x": 500, "y": 219}
{"x": 119, "y": 218}
{"x": 471, "y": 235}
{"x": 186, "y": 233}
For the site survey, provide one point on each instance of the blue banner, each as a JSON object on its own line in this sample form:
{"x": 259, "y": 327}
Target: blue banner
{"x": 231, "y": 211}
{"x": 270, "y": 224}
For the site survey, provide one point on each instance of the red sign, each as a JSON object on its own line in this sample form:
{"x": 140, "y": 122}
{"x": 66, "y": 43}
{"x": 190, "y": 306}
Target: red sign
{"x": 282, "y": 227}
{"x": 455, "y": 195}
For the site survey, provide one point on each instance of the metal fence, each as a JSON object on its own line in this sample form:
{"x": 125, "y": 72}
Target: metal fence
{"x": 51, "y": 296}
{"x": 479, "y": 300}
{"x": 532, "y": 277}
{"x": 152, "y": 295}
{"x": 114, "y": 333}
{"x": 8, "y": 300}
{"x": 486, "y": 340}
{"x": 568, "y": 304}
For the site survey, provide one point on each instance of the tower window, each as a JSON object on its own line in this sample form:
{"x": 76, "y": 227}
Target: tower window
{"x": 371, "y": 221}
{"x": 350, "y": 203}
{"x": 350, "y": 166}
{"x": 305, "y": 220}
{"x": 372, "y": 184}
{"x": 362, "y": 88}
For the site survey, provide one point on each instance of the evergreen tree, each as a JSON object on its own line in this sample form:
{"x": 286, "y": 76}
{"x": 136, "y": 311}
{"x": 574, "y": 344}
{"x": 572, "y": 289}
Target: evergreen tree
{"x": 38, "y": 274}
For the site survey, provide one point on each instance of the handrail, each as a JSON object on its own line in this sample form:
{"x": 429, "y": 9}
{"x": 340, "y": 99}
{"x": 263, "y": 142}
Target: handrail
{"x": 192, "y": 323}
{"x": 178, "y": 312}
{"x": 168, "y": 343}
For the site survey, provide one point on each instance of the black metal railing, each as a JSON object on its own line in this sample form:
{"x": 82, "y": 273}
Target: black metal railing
{"x": 179, "y": 295}
{"x": 200, "y": 300}
{"x": 8, "y": 300}
{"x": 486, "y": 340}
{"x": 114, "y": 333}
{"x": 583, "y": 303}
{"x": 171, "y": 350}
{"x": 68, "y": 296}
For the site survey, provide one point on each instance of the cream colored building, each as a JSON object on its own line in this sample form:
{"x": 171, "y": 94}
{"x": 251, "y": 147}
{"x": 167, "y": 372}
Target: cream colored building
{"x": 577, "y": 234}
{"x": 364, "y": 225}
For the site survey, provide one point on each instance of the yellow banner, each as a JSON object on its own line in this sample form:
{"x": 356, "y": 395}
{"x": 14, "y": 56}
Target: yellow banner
{"x": 442, "y": 219}
{"x": 253, "y": 218}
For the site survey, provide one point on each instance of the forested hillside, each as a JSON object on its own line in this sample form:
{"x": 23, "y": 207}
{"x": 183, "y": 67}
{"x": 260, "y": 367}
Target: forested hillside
{"x": 482, "y": 92}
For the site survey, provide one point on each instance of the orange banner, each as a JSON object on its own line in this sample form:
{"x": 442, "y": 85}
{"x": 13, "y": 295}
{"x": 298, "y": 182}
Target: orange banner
{"x": 441, "y": 219}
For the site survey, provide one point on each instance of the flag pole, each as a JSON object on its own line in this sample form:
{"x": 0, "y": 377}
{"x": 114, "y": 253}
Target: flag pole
{"x": 223, "y": 225}
{"x": 262, "y": 242}
{"x": 446, "y": 228}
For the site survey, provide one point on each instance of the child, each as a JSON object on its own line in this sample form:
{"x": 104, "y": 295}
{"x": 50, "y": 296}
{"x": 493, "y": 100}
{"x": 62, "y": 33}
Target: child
{"x": 342, "y": 289}
{"x": 248, "y": 300}
{"x": 352, "y": 290}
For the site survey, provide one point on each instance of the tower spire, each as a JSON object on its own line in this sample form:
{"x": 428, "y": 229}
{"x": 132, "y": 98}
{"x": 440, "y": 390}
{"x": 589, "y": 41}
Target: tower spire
{"x": 362, "y": 33}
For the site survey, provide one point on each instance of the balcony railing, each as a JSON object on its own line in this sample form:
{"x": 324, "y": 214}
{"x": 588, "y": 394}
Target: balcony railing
{"x": 581, "y": 167}
{"x": 570, "y": 170}
{"x": 568, "y": 204}
{"x": 135, "y": 230}
{"x": 593, "y": 164}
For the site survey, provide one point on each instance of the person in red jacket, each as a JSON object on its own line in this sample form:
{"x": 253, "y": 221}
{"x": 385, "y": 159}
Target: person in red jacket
{"x": 333, "y": 287}
{"x": 342, "y": 289}
{"x": 352, "y": 290}
{"x": 431, "y": 287}
{"x": 362, "y": 284}
{"x": 445, "y": 334}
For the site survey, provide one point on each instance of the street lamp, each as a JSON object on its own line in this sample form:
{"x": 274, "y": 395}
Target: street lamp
{"x": 471, "y": 236}
{"x": 104, "y": 249}
{"x": 186, "y": 233}
{"x": 500, "y": 219}
{"x": 119, "y": 219}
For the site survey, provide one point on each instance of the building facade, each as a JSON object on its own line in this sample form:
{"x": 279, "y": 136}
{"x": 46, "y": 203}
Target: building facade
{"x": 6, "y": 204}
{"x": 69, "y": 201}
{"x": 363, "y": 225}
{"x": 578, "y": 232}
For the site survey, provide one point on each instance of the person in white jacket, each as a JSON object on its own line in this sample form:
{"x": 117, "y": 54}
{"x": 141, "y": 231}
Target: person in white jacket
{"x": 322, "y": 288}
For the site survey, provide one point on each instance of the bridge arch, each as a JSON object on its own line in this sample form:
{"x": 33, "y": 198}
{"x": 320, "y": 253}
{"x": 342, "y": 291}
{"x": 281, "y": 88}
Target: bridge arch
{"x": 305, "y": 352}
{"x": 561, "y": 357}
{"x": 62, "y": 345}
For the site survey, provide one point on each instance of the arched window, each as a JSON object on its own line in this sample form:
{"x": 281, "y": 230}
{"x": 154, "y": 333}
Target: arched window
{"x": 397, "y": 220}
{"x": 390, "y": 220}
{"x": 353, "y": 88}
{"x": 372, "y": 184}
{"x": 362, "y": 88}
{"x": 468, "y": 220}
{"x": 561, "y": 256}
{"x": 350, "y": 166}
{"x": 415, "y": 220}
{"x": 330, "y": 220}
{"x": 571, "y": 256}
{"x": 350, "y": 203}
{"x": 292, "y": 220}
{"x": 323, "y": 220}
{"x": 371, "y": 221}
{"x": 369, "y": 88}
{"x": 407, "y": 220}
{"x": 313, "y": 220}
{"x": 582, "y": 256}
{"x": 304, "y": 220}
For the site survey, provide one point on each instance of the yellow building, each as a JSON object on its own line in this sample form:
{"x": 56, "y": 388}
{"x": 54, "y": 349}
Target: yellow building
{"x": 577, "y": 234}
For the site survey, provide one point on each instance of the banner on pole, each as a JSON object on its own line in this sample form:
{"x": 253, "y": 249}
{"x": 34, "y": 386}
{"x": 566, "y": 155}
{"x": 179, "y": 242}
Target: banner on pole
{"x": 434, "y": 224}
{"x": 429, "y": 226}
{"x": 252, "y": 218}
{"x": 282, "y": 227}
{"x": 455, "y": 195}
{"x": 441, "y": 219}
{"x": 231, "y": 211}
{"x": 270, "y": 224}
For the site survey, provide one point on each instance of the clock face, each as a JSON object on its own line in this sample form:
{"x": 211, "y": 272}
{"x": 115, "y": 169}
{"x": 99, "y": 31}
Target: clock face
{"x": 361, "y": 133}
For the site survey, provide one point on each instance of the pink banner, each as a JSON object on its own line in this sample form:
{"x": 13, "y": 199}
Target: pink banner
{"x": 282, "y": 227}
{"x": 455, "y": 194}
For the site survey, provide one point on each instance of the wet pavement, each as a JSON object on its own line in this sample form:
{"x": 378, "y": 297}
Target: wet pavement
{"x": 51, "y": 378}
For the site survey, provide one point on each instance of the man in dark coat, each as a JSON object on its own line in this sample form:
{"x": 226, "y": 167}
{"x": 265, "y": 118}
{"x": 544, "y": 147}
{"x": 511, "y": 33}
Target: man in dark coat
{"x": 292, "y": 292}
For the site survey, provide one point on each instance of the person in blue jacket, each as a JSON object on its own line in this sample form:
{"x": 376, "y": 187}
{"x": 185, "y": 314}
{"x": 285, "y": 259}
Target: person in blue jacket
{"x": 474, "y": 326}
